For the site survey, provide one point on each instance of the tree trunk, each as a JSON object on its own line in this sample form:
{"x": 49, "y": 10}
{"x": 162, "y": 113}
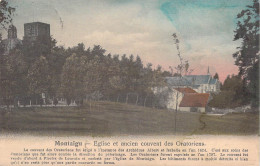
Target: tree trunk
{"x": 117, "y": 98}
{"x": 175, "y": 125}
{"x": 136, "y": 102}
{"x": 126, "y": 98}
{"x": 145, "y": 100}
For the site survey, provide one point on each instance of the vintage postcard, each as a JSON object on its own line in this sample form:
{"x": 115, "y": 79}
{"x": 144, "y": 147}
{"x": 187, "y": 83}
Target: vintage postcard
{"x": 129, "y": 82}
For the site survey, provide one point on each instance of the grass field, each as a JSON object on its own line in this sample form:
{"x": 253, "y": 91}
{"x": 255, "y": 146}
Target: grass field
{"x": 109, "y": 119}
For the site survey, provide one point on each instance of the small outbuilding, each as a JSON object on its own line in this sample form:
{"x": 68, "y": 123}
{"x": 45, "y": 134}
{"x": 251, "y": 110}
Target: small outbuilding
{"x": 194, "y": 102}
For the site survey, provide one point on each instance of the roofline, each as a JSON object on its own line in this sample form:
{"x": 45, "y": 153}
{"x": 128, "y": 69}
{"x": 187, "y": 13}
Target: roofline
{"x": 194, "y": 106}
{"x": 36, "y": 22}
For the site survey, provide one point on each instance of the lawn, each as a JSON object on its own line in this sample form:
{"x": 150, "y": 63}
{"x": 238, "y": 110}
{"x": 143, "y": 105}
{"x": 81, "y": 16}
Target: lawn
{"x": 109, "y": 119}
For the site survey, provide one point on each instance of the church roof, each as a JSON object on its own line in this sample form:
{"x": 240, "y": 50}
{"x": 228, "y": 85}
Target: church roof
{"x": 212, "y": 81}
{"x": 177, "y": 81}
{"x": 191, "y": 80}
{"x": 185, "y": 90}
{"x": 198, "y": 79}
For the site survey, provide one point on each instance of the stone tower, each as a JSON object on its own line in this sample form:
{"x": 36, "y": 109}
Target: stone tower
{"x": 12, "y": 41}
{"x": 34, "y": 30}
{"x": 12, "y": 32}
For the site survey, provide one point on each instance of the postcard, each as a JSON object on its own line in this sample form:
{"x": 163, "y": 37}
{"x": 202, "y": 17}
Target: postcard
{"x": 129, "y": 82}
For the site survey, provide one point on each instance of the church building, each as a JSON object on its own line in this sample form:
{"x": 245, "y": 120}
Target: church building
{"x": 200, "y": 83}
{"x": 34, "y": 30}
{"x": 12, "y": 41}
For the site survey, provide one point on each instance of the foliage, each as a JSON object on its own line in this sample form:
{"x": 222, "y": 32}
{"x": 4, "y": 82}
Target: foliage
{"x": 75, "y": 73}
{"x": 13, "y": 82}
{"x": 183, "y": 67}
{"x": 6, "y": 13}
{"x": 216, "y": 76}
{"x": 87, "y": 73}
{"x": 233, "y": 94}
{"x": 38, "y": 76}
{"x": 253, "y": 85}
{"x": 247, "y": 56}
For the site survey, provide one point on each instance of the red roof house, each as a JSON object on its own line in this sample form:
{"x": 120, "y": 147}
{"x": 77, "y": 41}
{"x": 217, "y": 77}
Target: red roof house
{"x": 185, "y": 90}
{"x": 194, "y": 102}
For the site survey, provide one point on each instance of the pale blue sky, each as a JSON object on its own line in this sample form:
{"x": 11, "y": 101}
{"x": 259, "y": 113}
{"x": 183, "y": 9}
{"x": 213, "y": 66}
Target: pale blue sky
{"x": 205, "y": 28}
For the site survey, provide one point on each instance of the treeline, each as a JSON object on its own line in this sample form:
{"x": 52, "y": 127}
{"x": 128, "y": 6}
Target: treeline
{"x": 74, "y": 74}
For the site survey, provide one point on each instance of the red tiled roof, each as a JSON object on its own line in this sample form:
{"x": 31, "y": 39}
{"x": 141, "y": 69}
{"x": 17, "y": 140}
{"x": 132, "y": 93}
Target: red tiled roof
{"x": 185, "y": 90}
{"x": 194, "y": 100}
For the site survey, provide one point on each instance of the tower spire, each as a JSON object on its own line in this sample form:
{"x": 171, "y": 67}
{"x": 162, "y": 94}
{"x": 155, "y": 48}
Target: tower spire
{"x": 208, "y": 71}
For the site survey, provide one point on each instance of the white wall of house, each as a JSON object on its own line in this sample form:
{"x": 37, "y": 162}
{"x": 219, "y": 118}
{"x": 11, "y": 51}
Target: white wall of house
{"x": 187, "y": 109}
{"x": 174, "y": 99}
{"x": 205, "y": 88}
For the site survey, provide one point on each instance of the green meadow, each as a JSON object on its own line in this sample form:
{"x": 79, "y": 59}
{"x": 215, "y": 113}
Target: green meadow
{"x": 112, "y": 119}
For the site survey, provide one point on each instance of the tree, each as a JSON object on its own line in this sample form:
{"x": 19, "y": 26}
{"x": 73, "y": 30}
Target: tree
{"x": 42, "y": 46}
{"x": 253, "y": 86}
{"x": 6, "y": 13}
{"x": 180, "y": 67}
{"x": 247, "y": 56}
{"x": 56, "y": 61}
{"x": 216, "y": 76}
{"x": 248, "y": 31}
{"x": 233, "y": 94}
{"x": 38, "y": 77}
{"x": 13, "y": 80}
{"x": 183, "y": 66}
{"x": 158, "y": 83}
{"x": 72, "y": 78}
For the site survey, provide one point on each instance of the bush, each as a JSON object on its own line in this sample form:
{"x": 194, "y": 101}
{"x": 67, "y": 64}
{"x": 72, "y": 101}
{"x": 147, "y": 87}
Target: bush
{"x": 227, "y": 99}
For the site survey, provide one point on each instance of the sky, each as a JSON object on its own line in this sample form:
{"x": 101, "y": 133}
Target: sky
{"x": 205, "y": 28}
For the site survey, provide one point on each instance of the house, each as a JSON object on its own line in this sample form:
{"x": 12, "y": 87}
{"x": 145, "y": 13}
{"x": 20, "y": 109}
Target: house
{"x": 194, "y": 102}
{"x": 176, "y": 96}
{"x": 171, "y": 98}
{"x": 187, "y": 93}
{"x": 182, "y": 99}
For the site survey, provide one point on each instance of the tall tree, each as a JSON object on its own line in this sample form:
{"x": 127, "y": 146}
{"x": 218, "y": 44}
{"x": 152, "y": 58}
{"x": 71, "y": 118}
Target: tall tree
{"x": 39, "y": 77}
{"x": 6, "y": 93}
{"x": 247, "y": 56}
{"x": 6, "y": 12}
{"x": 233, "y": 94}
{"x": 72, "y": 78}
{"x": 216, "y": 76}
{"x": 56, "y": 61}
{"x": 13, "y": 76}
{"x": 183, "y": 66}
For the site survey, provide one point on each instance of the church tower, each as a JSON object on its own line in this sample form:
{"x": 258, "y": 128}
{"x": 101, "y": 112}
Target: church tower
{"x": 38, "y": 34}
{"x": 34, "y": 30}
{"x": 208, "y": 71}
{"x": 12, "y": 32}
{"x": 12, "y": 41}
